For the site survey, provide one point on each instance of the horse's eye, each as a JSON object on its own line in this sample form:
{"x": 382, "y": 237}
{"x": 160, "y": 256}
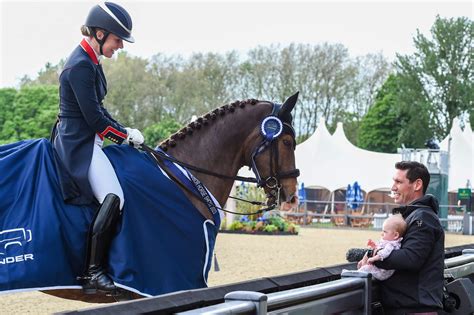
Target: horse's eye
{"x": 287, "y": 142}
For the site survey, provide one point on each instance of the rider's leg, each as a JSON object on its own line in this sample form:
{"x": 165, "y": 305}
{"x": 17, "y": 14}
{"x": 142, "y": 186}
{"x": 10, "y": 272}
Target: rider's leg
{"x": 107, "y": 190}
{"x": 100, "y": 237}
{"x": 102, "y": 177}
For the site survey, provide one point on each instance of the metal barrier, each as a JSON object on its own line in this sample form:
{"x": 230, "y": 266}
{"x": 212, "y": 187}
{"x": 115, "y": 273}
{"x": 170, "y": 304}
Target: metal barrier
{"x": 319, "y": 291}
{"x": 460, "y": 266}
{"x": 352, "y": 293}
{"x": 459, "y": 272}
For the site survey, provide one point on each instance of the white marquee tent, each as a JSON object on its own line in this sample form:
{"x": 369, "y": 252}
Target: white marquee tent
{"x": 461, "y": 167}
{"x": 332, "y": 162}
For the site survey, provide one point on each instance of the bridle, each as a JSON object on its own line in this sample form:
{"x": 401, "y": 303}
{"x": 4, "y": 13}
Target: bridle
{"x": 270, "y": 133}
{"x": 272, "y": 128}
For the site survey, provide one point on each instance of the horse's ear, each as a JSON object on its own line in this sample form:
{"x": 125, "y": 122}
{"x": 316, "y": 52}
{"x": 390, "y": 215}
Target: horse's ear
{"x": 287, "y": 107}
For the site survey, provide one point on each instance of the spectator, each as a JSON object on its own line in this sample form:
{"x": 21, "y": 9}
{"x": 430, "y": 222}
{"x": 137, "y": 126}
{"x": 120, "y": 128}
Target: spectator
{"x": 416, "y": 287}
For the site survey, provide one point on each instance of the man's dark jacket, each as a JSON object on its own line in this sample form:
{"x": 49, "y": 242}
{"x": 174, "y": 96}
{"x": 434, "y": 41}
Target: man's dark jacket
{"x": 81, "y": 116}
{"x": 419, "y": 264}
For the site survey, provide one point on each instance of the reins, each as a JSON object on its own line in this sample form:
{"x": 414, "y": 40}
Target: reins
{"x": 161, "y": 154}
{"x": 157, "y": 155}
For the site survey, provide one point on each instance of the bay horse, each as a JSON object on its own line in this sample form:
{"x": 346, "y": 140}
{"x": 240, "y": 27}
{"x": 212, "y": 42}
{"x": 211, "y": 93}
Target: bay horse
{"x": 221, "y": 142}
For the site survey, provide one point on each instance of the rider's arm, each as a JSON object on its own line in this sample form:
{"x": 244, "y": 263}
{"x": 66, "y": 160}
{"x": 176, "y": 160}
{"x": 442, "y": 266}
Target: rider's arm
{"x": 82, "y": 81}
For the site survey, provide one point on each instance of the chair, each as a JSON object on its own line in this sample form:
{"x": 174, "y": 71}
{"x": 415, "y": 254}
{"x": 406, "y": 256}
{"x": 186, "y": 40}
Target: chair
{"x": 359, "y": 220}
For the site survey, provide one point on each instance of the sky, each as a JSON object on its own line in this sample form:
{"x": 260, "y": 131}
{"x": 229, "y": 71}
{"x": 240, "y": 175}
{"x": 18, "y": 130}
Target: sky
{"x": 34, "y": 32}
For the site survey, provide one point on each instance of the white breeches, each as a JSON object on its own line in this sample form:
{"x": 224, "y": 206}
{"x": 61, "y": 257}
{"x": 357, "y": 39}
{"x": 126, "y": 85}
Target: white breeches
{"x": 102, "y": 177}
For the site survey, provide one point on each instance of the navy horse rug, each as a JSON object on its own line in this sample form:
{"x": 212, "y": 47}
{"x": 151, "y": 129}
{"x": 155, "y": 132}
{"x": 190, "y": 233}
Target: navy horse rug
{"x": 162, "y": 243}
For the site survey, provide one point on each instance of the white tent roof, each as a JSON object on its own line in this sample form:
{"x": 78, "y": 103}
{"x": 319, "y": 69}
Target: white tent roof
{"x": 461, "y": 168}
{"x": 333, "y": 162}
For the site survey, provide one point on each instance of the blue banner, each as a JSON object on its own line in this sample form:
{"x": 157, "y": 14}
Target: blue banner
{"x": 163, "y": 244}
{"x": 302, "y": 194}
{"x": 354, "y": 196}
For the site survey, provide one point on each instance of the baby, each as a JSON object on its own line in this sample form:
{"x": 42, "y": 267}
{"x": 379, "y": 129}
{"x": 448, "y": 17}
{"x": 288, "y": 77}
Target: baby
{"x": 393, "y": 229}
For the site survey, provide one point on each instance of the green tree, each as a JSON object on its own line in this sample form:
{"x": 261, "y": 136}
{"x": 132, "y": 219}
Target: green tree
{"x": 380, "y": 126}
{"x": 158, "y": 132}
{"x": 7, "y": 97}
{"x": 49, "y": 75}
{"x": 128, "y": 86}
{"x": 441, "y": 72}
{"x": 414, "y": 114}
{"x": 351, "y": 123}
{"x": 201, "y": 83}
{"x": 333, "y": 85}
{"x": 395, "y": 119}
{"x": 31, "y": 114}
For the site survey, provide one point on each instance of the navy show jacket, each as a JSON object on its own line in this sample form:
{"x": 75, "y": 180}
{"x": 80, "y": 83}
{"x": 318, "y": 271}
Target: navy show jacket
{"x": 81, "y": 116}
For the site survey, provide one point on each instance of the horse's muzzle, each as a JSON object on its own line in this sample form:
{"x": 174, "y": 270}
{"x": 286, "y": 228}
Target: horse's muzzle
{"x": 291, "y": 202}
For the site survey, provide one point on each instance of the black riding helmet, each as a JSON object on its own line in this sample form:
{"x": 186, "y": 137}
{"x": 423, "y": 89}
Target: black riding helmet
{"x": 112, "y": 18}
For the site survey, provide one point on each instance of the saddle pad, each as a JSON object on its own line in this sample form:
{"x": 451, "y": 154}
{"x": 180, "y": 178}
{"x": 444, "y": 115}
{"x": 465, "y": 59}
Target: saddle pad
{"x": 163, "y": 244}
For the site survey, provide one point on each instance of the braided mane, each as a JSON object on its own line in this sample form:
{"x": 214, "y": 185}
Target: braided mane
{"x": 203, "y": 121}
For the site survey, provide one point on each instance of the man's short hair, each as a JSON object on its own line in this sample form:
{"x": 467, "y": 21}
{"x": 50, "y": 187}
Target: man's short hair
{"x": 415, "y": 171}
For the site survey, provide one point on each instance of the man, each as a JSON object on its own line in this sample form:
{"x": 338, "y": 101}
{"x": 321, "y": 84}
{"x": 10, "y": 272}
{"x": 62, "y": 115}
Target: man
{"x": 416, "y": 287}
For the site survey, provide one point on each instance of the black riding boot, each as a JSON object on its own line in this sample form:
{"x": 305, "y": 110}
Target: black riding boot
{"x": 100, "y": 237}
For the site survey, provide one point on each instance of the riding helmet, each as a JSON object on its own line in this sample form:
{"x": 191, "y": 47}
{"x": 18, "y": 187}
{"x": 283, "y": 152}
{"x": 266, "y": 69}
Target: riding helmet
{"x": 112, "y": 18}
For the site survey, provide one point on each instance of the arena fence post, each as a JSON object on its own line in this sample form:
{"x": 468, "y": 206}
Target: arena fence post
{"x": 259, "y": 299}
{"x": 368, "y": 287}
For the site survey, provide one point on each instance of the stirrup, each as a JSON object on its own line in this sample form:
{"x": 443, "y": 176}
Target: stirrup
{"x": 94, "y": 290}
{"x": 90, "y": 283}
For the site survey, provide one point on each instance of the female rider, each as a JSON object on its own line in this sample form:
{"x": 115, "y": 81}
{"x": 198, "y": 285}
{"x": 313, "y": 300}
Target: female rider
{"x": 83, "y": 123}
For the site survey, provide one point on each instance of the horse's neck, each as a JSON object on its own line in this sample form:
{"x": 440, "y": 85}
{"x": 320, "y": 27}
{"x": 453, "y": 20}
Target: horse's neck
{"x": 222, "y": 147}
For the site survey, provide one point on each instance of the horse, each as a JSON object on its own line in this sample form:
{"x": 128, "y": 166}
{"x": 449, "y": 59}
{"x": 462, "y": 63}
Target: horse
{"x": 253, "y": 133}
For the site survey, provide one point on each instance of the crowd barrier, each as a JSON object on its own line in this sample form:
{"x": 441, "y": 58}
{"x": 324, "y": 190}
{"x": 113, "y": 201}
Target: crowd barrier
{"x": 352, "y": 294}
{"x": 319, "y": 291}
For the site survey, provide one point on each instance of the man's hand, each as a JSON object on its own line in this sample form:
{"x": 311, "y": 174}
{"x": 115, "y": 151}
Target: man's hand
{"x": 373, "y": 259}
{"x": 134, "y": 137}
